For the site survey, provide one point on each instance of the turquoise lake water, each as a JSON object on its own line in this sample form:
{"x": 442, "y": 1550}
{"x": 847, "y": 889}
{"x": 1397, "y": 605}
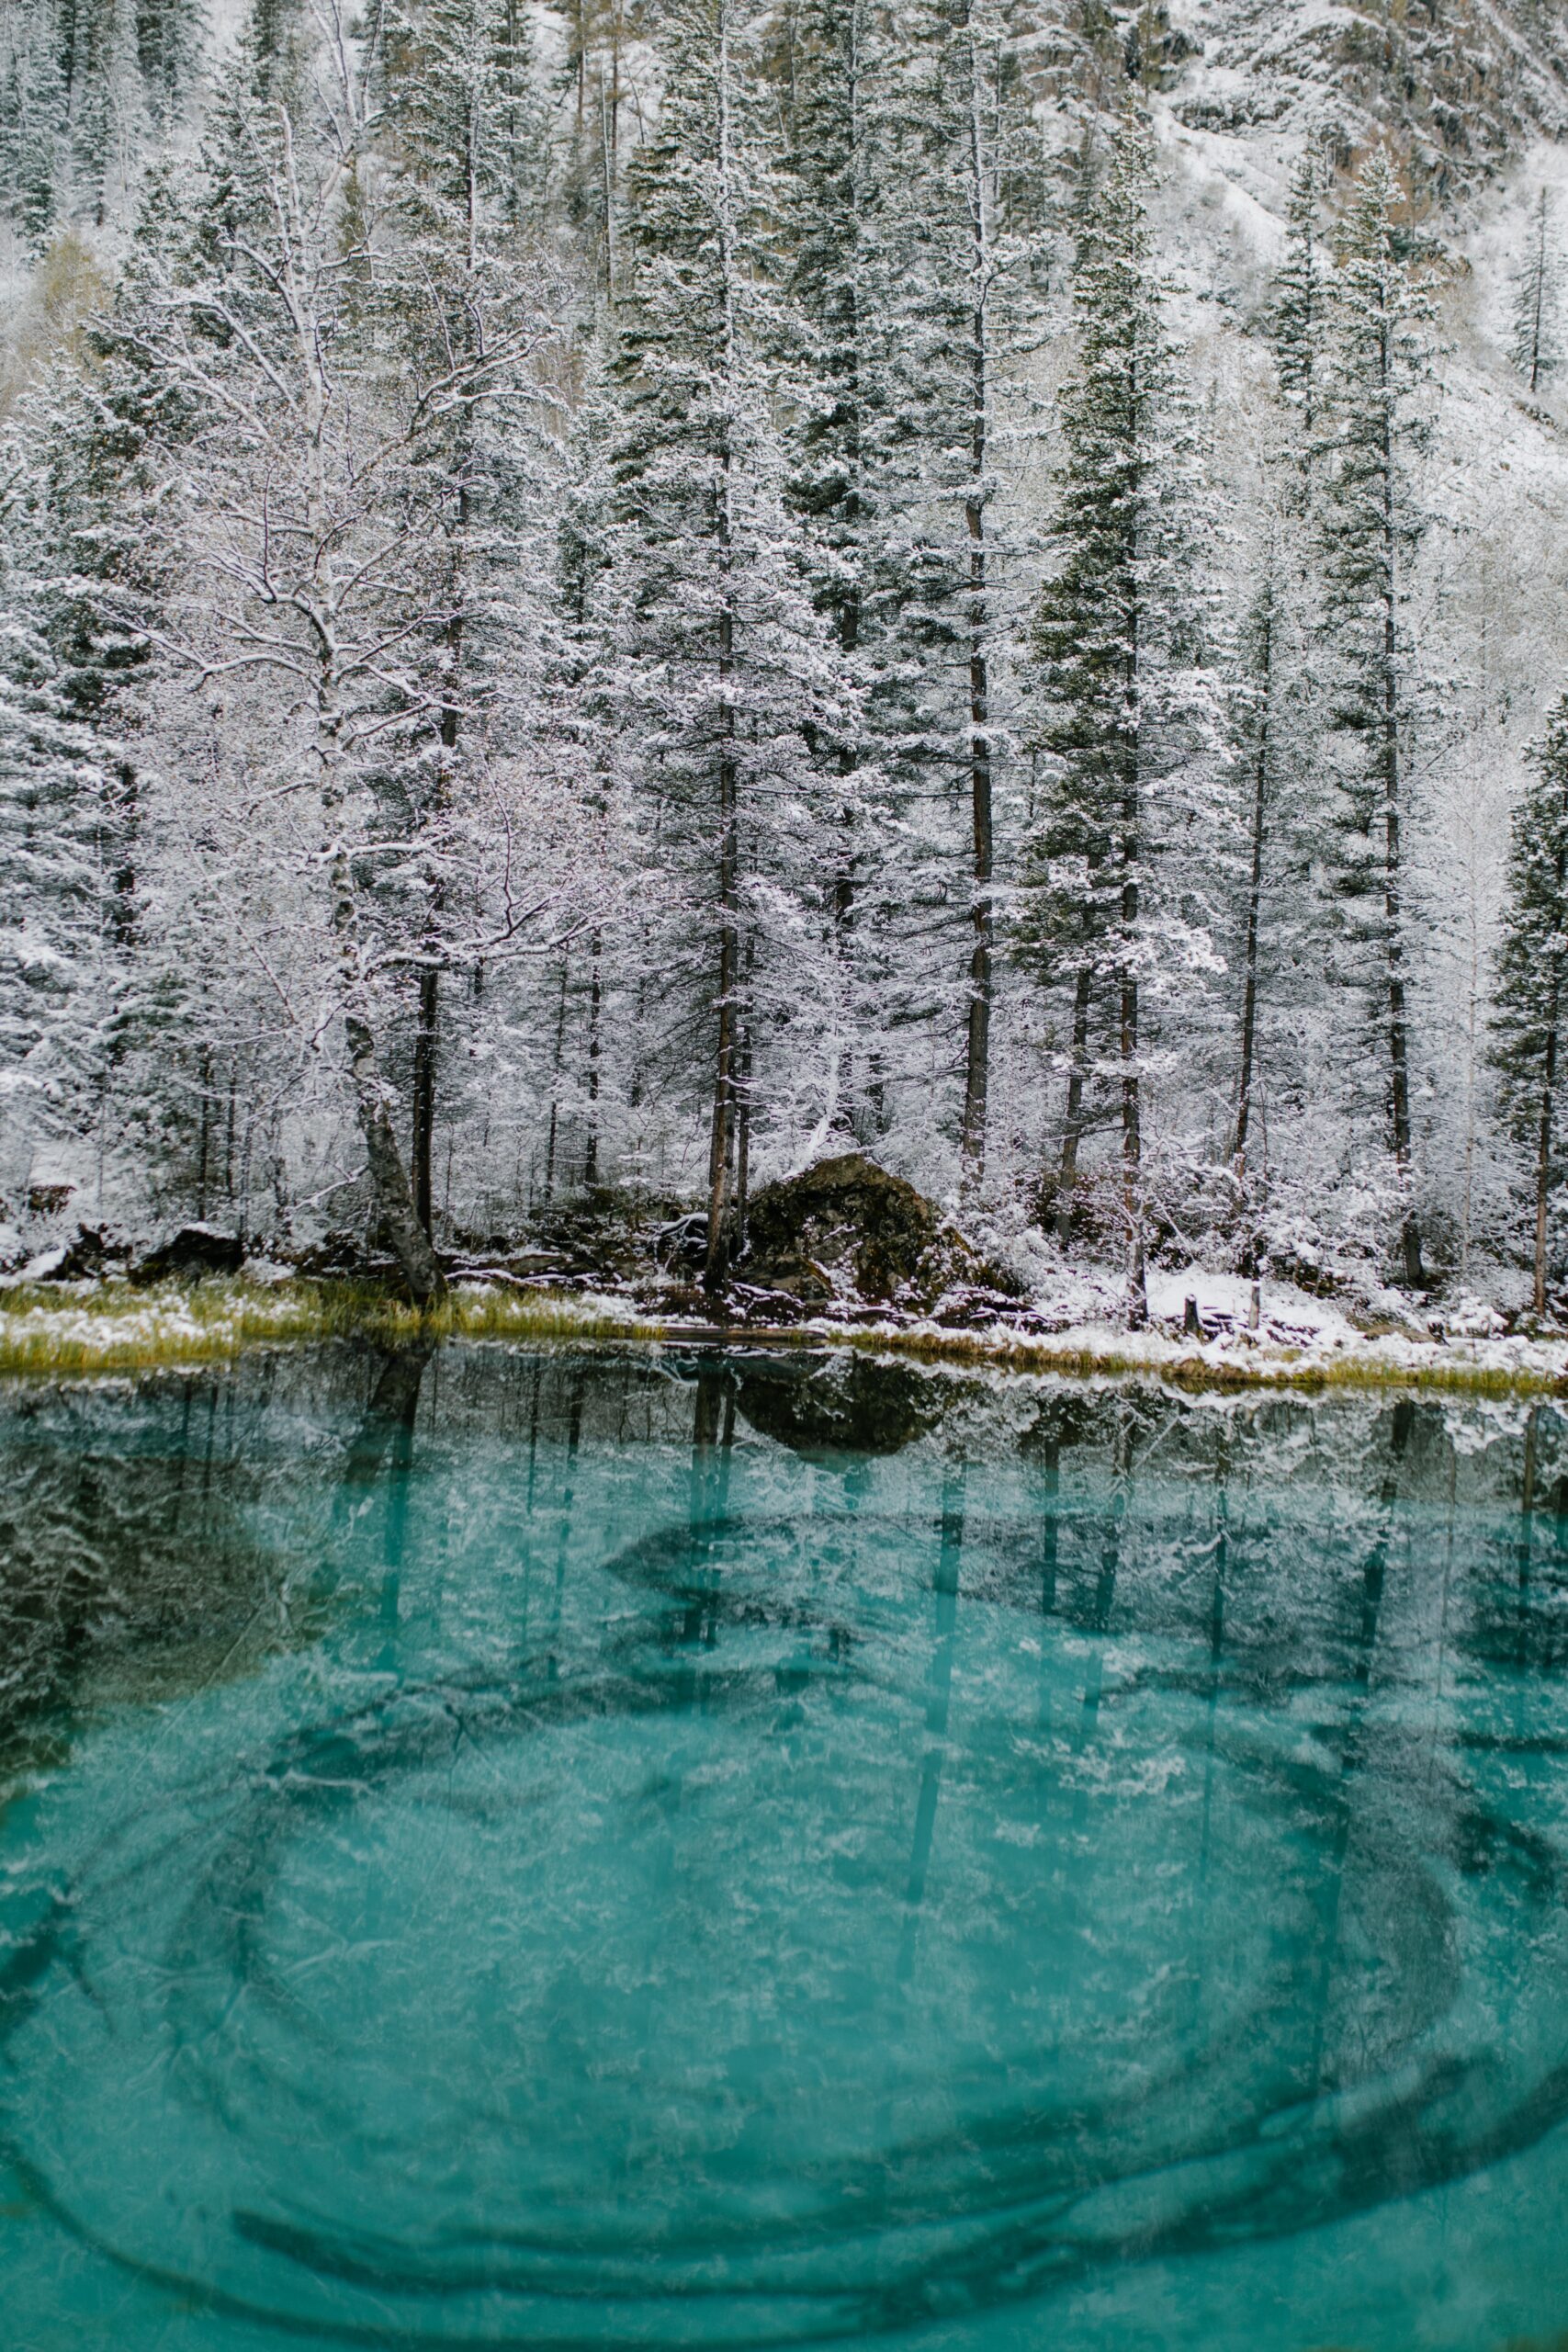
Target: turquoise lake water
{"x": 617, "y": 1849}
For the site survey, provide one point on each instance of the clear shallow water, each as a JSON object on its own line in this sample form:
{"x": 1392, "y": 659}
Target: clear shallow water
{"x": 596, "y": 1852}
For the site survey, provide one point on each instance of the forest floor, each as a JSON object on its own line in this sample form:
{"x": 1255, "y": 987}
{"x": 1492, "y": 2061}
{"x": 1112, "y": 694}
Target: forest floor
{"x": 93, "y": 1329}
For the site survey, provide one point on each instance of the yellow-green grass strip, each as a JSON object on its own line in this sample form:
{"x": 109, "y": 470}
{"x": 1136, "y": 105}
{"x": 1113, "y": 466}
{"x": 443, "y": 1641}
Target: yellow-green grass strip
{"x": 51, "y": 1332}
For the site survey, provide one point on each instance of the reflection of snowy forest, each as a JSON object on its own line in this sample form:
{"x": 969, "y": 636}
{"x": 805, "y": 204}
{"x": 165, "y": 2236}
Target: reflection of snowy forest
{"x": 622, "y": 598}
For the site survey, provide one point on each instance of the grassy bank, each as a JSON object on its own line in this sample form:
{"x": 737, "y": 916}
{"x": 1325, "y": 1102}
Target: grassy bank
{"x": 1222, "y": 1370}
{"x": 49, "y": 1333}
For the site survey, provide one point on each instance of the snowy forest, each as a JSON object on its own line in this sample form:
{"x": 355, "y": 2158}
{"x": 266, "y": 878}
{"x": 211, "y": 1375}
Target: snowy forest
{"x": 602, "y": 602}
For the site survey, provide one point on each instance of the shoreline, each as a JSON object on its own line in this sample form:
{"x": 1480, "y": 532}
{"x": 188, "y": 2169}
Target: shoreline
{"x": 94, "y": 1330}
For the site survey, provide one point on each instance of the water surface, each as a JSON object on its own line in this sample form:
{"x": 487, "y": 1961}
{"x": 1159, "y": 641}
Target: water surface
{"x": 595, "y": 1850}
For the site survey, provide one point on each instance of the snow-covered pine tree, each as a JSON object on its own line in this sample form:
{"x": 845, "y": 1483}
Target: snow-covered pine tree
{"x": 1372, "y": 522}
{"x": 837, "y": 440}
{"x": 1536, "y": 294}
{"x": 1530, "y": 1000}
{"x": 33, "y": 112}
{"x": 721, "y": 674}
{"x": 461, "y": 287}
{"x": 1124, "y": 703}
{"x": 1275, "y": 919}
{"x": 1297, "y": 314}
{"x": 964, "y": 187}
{"x": 52, "y": 798}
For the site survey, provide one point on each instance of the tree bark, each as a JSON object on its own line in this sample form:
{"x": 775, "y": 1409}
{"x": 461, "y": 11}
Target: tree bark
{"x": 1398, "y": 1021}
{"x": 389, "y": 1180}
{"x": 1254, "y": 903}
{"x": 1543, "y": 1163}
{"x": 978, "y": 1056}
{"x": 724, "y": 1072}
{"x": 1393, "y": 935}
{"x": 596, "y": 995}
{"x": 389, "y": 1184}
{"x": 1072, "y": 1130}
{"x": 424, "y": 1095}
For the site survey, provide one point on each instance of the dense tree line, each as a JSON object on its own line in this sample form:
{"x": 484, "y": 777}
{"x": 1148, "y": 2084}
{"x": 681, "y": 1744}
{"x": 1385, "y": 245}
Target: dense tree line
{"x": 628, "y": 597}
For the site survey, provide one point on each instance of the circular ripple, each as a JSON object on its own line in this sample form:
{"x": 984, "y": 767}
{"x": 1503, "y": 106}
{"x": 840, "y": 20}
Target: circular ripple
{"x": 815, "y": 1949}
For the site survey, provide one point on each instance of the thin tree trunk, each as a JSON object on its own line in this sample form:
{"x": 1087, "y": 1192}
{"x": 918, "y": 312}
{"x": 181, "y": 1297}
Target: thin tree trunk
{"x": 424, "y": 1093}
{"x": 1254, "y": 903}
{"x": 595, "y": 993}
{"x": 554, "y": 1082}
{"x": 1393, "y": 935}
{"x": 205, "y": 1150}
{"x": 1543, "y": 1156}
{"x": 1131, "y": 1094}
{"x": 1132, "y": 1141}
{"x": 729, "y": 849}
{"x": 1548, "y": 1098}
{"x": 724, "y": 1074}
{"x": 743, "y": 1107}
{"x": 1072, "y": 1131}
{"x": 976, "y": 1074}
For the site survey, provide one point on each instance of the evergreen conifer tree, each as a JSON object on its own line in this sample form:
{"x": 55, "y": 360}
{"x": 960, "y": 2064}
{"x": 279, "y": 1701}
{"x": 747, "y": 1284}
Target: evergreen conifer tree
{"x": 1124, "y": 703}
{"x": 1298, "y": 307}
{"x": 1531, "y": 995}
{"x": 724, "y": 676}
{"x": 1537, "y": 292}
{"x": 1371, "y": 523}
{"x": 52, "y": 802}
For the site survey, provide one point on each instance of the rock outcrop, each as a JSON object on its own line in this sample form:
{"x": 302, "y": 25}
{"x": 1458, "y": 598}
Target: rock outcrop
{"x": 845, "y": 1232}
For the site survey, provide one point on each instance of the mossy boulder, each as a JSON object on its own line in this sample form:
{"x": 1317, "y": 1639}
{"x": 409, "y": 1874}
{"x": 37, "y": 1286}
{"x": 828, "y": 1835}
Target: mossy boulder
{"x": 847, "y": 1232}
{"x": 825, "y": 1408}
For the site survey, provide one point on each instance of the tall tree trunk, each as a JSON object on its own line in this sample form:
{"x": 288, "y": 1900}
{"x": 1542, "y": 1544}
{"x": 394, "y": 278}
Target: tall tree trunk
{"x": 389, "y": 1180}
{"x": 595, "y": 996}
{"x": 1254, "y": 902}
{"x": 720, "y": 1143}
{"x": 1394, "y": 933}
{"x": 1132, "y": 1145}
{"x": 743, "y": 1105}
{"x": 425, "y": 1094}
{"x": 1128, "y": 1041}
{"x": 1548, "y": 1089}
{"x": 427, "y": 1043}
{"x": 978, "y": 1056}
{"x": 1072, "y": 1130}
{"x": 555, "y": 1082}
{"x": 1543, "y": 1156}
{"x": 724, "y": 1058}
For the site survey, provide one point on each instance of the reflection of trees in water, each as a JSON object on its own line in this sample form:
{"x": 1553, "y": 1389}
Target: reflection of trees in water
{"x": 1299, "y": 1580}
{"x": 133, "y": 1564}
{"x": 129, "y": 1527}
{"x": 126, "y": 1555}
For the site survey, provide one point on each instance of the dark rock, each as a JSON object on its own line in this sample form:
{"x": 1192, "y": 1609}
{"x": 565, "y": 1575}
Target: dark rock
{"x": 846, "y": 1232}
{"x": 195, "y": 1250}
{"x": 842, "y": 1405}
{"x": 337, "y": 1252}
{"x": 89, "y": 1252}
